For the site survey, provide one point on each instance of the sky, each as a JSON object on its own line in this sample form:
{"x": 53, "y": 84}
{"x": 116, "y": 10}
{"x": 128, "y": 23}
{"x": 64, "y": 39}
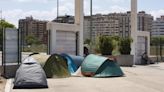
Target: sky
{"x": 13, "y": 10}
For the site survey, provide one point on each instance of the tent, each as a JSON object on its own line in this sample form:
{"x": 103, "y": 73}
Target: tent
{"x": 56, "y": 67}
{"x": 30, "y": 75}
{"x": 98, "y": 66}
{"x": 74, "y": 62}
{"x": 40, "y": 58}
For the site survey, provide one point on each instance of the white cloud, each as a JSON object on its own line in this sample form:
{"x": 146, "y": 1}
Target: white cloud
{"x": 66, "y": 7}
{"x": 25, "y": 1}
{"x": 14, "y": 15}
{"x": 119, "y": 1}
{"x": 118, "y": 9}
{"x": 157, "y": 13}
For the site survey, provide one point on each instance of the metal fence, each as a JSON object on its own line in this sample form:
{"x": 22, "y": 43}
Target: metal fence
{"x": 11, "y": 53}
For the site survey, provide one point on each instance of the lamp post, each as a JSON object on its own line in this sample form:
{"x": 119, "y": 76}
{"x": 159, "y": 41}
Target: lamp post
{"x": 91, "y": 39}
{"x": 57, "y": 8}
{"x": 1, "y": 28}
{"x": 160, "y": 47}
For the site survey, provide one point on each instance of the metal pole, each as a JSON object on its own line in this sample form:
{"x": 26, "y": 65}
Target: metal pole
{"x": 1, "y": 14}
{"x": 2, "y": 37}
{"x": 57, "y": 9}
{"x": 91, "y": 39}
{"x": 157, "y": 50}
{"x": 160, "y": 49}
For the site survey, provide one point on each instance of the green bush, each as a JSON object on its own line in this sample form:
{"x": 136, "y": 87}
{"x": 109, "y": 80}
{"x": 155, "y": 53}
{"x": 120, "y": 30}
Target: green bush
{"x": 35, "y": 48}
{"x": 106, "y": 45}
{"x": 125, "y": 46}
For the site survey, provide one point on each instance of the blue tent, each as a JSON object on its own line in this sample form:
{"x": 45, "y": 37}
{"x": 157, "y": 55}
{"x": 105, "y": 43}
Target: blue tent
{"x": 74, "y": 62}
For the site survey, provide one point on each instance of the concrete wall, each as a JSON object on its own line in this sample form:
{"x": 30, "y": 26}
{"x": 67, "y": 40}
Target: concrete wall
{"x": 125, "y": 60}
{"x": 77, "y": 27}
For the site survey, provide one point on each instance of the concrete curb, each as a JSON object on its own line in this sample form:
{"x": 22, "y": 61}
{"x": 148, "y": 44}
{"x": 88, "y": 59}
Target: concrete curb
{"x": 9, "y": 85}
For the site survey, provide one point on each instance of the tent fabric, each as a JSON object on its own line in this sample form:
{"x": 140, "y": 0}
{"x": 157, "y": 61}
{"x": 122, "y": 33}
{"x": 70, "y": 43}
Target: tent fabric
{"x": 56, "y": 67}
{"x": 30, "y": 75}
{"x": 98, "y": 66}
{"x": 41, "y": 58}
{"x": 74, "y": 62}
{"x": 77, "y": 73}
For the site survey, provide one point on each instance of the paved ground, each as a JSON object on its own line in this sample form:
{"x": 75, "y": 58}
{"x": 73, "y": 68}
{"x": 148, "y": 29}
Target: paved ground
{"x": 138, "y": 79}
{"x": 2, "y": 84}
{"x": 0, "y": 58}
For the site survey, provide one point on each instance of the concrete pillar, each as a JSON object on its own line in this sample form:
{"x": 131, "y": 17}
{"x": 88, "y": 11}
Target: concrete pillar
{"x": 133, "y": 27}
{"x": 79, "y": 18}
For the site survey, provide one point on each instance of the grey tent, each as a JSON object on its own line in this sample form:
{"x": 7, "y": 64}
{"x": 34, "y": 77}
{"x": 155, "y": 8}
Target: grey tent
{"x": 30, "y": 75}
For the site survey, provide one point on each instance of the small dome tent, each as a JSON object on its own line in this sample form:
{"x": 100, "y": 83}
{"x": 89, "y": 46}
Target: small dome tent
{"x": 98, "y": 66}
{"x": 30, "y": 75}
{"x": 74, "y": 62}
{"x": 56, "y": 67}
{"x": 41, "y": 58}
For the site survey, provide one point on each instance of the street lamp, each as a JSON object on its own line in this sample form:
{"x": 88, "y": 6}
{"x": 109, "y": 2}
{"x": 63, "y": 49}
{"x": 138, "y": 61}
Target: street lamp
{"x": 57, "y": 8}
{"x": 91, "y": 39}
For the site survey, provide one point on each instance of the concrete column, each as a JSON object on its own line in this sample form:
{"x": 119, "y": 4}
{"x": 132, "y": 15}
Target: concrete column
{"x": 79, "y": 18}
{"x": 133, "y": 27}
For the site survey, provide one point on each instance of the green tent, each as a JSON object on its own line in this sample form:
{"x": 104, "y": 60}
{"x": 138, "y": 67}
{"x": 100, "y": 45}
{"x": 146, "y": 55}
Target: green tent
{"x": 98, "y": 66}
{"x": 56, "y": 67}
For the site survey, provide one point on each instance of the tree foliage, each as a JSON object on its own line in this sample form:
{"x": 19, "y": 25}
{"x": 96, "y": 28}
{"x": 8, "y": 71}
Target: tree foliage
{"x": 106, "y": 45}
{"x": 125, "y": 46}
{"x": 157, "y": 40}
{"x": 110, "y": 45}
{"x": 30, "y": 40}
{"x": 87, "y": 41}
{"x": 5, "y": 24}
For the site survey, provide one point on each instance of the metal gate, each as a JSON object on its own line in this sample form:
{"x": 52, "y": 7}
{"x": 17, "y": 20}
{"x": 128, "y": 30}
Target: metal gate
{"x": 63, "y": 42}
{"x": 11, "y": 54}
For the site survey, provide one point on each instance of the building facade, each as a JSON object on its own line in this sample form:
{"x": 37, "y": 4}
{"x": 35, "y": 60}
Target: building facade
{"x": 64, "y": 19}
{"x": 158, "y": 27}
{"x": 145, "y": 21}
{"x": 112, "y": 24}
{"x": 116, "y": 24}
{"x": 33, "y": 27}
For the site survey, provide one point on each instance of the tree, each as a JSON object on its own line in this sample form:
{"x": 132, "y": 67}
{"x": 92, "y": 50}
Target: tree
{"x": 125, "y": 46}
{"x": 87, "y": 41}
{"x": 30, "y": 40}
{"x": 4, "y": 24}
{"x": 154, "y": 40}
{"x": 106, "y": 45}
{"x": 158, "y": 42}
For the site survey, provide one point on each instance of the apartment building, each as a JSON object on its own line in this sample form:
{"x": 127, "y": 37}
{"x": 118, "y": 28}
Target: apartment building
{"x": 113, "y": 24}
{"x": 158, "y": 27}
{"x": 37, "y": 28}
{"x": 145, "y": 21}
